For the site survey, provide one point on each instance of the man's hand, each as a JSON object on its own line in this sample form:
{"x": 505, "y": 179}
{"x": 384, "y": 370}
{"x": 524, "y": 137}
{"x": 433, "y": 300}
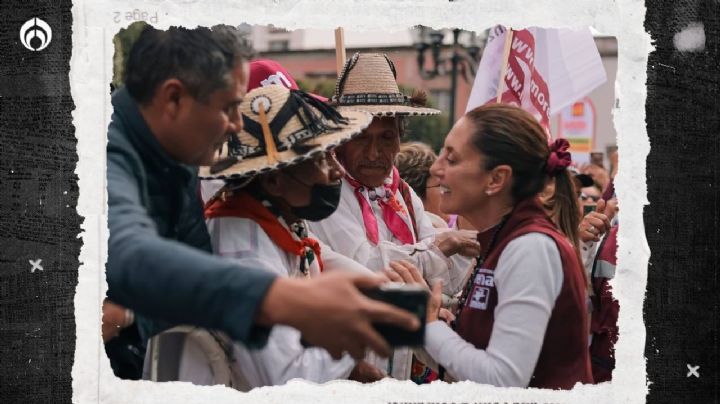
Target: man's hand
{"x": 332, "y": 313}
{"x": 114, "y": 319}
{"x": 364, "y": 372}
{"x": 597, "y": 223}
{"x": 463, "y": 242}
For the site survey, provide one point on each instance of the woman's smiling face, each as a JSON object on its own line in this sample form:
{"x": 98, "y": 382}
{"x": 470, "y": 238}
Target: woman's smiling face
{"x": 459, "y": 170}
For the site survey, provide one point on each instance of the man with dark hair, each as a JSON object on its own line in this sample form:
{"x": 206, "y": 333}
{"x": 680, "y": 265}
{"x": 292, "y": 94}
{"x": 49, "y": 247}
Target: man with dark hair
{"x": 183, "y": 88}
{"x": 202, "y": 59}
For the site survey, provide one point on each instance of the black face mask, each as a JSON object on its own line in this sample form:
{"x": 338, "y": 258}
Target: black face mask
{"x": 324, "y": 200}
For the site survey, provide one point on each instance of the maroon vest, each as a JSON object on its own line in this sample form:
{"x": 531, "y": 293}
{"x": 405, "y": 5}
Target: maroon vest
{"x": 564, "y": 358}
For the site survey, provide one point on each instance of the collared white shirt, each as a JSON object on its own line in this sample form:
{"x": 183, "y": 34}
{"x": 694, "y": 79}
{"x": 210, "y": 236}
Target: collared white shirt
{"x": 344, "y": 232}
{"x": 283, "y": 358}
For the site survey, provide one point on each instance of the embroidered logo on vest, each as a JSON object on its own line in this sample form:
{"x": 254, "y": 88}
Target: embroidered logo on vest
{"x": 480, "y": 295}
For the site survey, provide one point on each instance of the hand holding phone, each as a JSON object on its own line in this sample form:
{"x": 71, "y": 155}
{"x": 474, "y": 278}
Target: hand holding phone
{"x": 413, "y": 298}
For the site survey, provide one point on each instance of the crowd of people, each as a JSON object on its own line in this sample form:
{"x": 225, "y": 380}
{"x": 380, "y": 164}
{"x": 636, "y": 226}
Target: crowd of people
{"x": 248, "y": 219}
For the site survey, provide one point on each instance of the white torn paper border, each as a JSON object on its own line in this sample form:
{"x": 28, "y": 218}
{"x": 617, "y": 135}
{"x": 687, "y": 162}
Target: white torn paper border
{"x": 95, "y": 23}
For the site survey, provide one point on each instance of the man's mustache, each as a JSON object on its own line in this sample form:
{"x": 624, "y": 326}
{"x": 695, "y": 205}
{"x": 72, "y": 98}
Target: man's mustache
{"x": 374, "y": 164}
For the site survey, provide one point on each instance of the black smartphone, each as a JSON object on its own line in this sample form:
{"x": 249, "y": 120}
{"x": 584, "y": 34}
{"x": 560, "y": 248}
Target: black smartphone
{"x": 413, "y": 298}
{"x": 588, "y": 208}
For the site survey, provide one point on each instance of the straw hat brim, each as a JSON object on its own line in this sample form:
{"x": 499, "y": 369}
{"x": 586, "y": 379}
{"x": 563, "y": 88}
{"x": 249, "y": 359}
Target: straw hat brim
{"x": 251, "y": 166}
{"x": 390, "y": 110}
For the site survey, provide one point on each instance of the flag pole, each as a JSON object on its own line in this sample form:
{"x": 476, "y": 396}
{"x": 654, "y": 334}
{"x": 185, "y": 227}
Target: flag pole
{"x": 503, "y": 66}
{"x": 339, "y": 49}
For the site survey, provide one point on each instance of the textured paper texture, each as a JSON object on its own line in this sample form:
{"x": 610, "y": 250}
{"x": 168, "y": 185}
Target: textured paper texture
{"x": 94, "y": 25}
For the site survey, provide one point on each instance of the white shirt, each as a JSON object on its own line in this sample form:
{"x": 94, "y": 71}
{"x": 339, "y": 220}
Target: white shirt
{"x": 208, "y": 188}
{"x": 528, "y": 278}
{"x": 344, "y": 231}
{"x": 283, "y": 358}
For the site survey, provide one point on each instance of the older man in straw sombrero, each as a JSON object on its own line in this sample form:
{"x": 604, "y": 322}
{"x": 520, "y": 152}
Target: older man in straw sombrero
{"x": 279, "y": 171}
{"x": 380, "y": 219}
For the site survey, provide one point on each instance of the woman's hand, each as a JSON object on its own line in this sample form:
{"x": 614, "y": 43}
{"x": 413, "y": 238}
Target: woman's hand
{"x": 446, "y": 316}
{"x": 434, "y": 303}
{"x": 404, "y": 272}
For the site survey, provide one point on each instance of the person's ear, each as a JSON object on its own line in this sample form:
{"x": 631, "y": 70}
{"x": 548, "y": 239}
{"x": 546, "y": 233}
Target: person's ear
{"x": 500, "y": 178}
{"x": 170, "y": 95}
{"x": 272, "y": 183}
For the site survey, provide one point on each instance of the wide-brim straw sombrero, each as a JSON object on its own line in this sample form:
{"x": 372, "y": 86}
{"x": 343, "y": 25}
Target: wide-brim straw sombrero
{"x": 299, "y": 128}
{"x": 368, "y": 83}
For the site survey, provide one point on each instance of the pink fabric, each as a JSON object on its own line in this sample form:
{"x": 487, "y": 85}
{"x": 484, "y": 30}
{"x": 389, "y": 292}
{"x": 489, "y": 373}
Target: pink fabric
{"x": 452, "y": 221}
{"x": 391, "y": 209}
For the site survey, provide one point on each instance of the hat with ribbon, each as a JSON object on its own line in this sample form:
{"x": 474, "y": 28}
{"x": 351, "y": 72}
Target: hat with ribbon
{"x": 282, "y": 127}
{"x": 368, "y": 83}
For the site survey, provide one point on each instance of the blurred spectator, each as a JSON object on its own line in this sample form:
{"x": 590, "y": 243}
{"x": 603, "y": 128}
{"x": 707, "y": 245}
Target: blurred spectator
{"x": 413, "y": 163}
{"x": 582, "y": 182}
{"x": 599, "y": 175}
{"x": 598, "y": 253}
{"x": 589, "y": 197}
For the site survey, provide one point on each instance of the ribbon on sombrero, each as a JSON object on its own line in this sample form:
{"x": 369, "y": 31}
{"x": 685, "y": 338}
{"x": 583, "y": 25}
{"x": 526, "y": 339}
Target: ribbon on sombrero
{"x": 242, "y": 204}
{"x": 391, "y": 209}
{"x": 319, "y": 119}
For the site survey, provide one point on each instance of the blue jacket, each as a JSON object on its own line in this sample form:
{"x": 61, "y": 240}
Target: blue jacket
{"x": 159, "y": 252}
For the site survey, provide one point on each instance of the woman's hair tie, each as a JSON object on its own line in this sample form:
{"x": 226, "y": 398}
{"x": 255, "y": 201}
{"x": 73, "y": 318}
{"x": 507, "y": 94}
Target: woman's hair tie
{"x": 559, "y": 158}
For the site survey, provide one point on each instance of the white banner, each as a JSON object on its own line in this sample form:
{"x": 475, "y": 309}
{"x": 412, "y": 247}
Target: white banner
{"x": 546, "y": 69}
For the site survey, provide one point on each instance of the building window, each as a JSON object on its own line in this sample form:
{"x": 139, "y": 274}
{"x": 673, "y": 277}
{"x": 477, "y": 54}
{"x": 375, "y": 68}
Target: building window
{"x": 441, "y": 98}
{"x": 278, "y": 46}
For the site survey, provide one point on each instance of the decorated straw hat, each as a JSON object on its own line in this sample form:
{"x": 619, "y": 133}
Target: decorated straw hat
{"x": 368, "y": 83}
{"x": 282, "y": 127}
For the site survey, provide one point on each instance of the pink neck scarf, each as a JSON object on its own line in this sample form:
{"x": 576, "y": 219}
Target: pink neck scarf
{"x": 392, "y": 210}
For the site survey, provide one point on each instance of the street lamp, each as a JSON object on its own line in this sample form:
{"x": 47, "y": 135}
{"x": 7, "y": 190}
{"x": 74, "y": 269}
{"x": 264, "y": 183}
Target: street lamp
{"x": 425, "y": 38}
